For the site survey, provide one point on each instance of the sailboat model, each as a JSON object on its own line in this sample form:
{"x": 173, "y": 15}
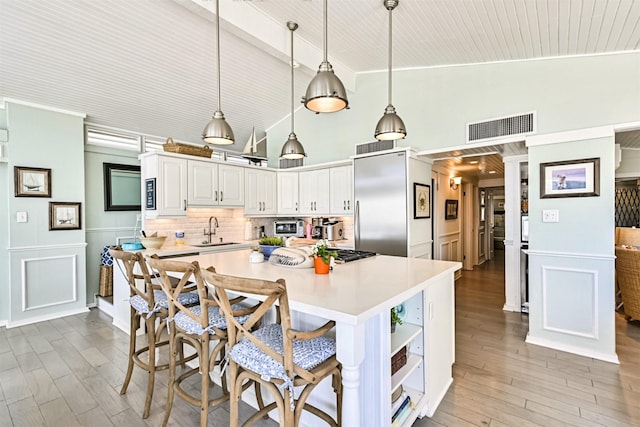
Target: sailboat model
{"x": 255, "y": 151}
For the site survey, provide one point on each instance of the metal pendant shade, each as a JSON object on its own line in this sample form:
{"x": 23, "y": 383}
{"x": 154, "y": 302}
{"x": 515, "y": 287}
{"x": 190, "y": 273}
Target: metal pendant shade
{"x": 390, "y": 126}
{"x": 292, "y": 149}
{"x": 218, "y": 131}
{"x": 325, "y": 93}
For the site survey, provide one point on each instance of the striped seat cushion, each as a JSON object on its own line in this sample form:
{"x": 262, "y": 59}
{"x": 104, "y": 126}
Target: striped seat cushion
{"x": 141, "y": 306}
{"x": 216, "y": 319}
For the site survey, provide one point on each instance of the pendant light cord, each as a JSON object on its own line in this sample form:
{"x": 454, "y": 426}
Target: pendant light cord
{"x": 325, "y": 37}
{"x": 292, "y": 120}
{"x": 390, "y": 42}
{"x": 218, "y": 47}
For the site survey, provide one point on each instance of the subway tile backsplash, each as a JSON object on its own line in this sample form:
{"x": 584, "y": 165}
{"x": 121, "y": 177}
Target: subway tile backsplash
{"x": 231, "y": 226}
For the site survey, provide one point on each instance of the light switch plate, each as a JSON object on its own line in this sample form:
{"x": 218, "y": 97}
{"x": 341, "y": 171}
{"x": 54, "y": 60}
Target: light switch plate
{"x": 550, "y": 215}
{"x": 21, "y": 217}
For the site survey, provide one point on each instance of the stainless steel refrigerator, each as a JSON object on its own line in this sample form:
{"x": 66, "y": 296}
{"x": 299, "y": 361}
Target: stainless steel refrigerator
{"x": 380, "y": 193}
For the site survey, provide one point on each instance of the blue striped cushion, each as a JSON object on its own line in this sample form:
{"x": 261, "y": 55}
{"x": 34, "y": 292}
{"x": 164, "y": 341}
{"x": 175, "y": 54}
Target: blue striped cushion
{"x": 160, "y": 297}
{"x": 306, "y": 354}
{"x": 216, "y": 319}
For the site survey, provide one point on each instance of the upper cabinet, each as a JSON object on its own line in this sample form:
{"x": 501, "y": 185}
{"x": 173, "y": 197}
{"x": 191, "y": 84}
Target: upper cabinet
{"x": 288, "y": 198}
{"x": 260, "y": 192}
{"x": 341, "y": 186}
{"x": 215, "y": 185}
{"x": 314, "y": 192}
{"x": 168, "y": 194}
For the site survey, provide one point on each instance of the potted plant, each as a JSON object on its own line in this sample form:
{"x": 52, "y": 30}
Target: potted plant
{"x": 395, "y": 319}
{"x": 269, "y": 244}
{"x": 322, "y": 254}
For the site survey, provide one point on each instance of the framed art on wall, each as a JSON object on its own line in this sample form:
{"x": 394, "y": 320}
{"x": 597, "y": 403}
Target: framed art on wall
{"x": 450, "y": 209}
{"x": 64, "y": 216}
{"x": 421, "y": 201}
{"x": 32, "y": 182}
{"x": 570, "y": 178}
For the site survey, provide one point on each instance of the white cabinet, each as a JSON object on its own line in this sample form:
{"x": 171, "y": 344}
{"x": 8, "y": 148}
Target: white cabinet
{"x": 169, "y": 188}
{"x": 341, "y": 190}
{"x": 314, "y": 192}
{"x": 288, "y": 193}
{"x": 260, "y": 192}
{"x": 428, "y": 332}
{"x": 212, "y": 185}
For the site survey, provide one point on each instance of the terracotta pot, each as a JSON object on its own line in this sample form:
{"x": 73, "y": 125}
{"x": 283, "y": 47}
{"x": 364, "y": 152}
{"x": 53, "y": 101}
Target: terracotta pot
{"x": 320, "y": 266}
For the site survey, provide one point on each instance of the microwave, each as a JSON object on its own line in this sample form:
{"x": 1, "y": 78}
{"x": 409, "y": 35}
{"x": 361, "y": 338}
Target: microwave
{"x": 288, "y": 228}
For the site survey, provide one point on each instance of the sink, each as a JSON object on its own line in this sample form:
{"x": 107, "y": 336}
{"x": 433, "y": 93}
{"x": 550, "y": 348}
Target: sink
{"x": 209, "y": 245}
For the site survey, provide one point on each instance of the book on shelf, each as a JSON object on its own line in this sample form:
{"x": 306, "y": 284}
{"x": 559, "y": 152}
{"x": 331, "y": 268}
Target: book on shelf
{"x": 404, "y": 414}
{"x": 405, "y": 404}
{"x": 398, "y": 402}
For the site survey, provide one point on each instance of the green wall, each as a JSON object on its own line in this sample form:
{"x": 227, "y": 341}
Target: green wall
{"x": 437, "y": 103}
{"x": 103, "y": 228}
{"x": 46, "y": 273}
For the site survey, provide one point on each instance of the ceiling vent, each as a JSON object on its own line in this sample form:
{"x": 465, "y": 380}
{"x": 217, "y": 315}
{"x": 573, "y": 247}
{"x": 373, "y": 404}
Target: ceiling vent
{"x": 290, "y": 163}
{"x": 502, "y": 128}
{"x": 372, "y": 147}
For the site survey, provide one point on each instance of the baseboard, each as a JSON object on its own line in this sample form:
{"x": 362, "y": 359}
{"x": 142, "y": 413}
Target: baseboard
{"x": 36, "y": 319}
{"x": 430, "y": 409}
{"x": 3, "y": 323}
{"x": 580, "y": 351}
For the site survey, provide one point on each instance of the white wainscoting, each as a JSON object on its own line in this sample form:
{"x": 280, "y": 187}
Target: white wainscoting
{"x": 450, "y": 249}
{"x": 577, "y": 316}
{"x": 40, "y": 275}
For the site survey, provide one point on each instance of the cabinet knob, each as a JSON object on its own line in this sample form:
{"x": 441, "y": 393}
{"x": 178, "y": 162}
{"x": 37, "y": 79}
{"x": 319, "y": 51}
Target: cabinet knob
{"x": 348, "y": 205}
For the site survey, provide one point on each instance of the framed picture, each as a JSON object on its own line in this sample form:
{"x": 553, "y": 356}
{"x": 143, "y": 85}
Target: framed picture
{"x": 450, "y": 209}
{"x": 421, "y": 201}
{"x": 32, "y": 182}
{"x": 64, "y": 216}
{"x": 150, "y": 193}
{"x": 570, "y": 178}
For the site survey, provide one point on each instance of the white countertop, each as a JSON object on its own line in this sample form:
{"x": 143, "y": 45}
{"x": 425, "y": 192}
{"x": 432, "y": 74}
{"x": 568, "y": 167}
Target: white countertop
{"x": 351, "y": 293}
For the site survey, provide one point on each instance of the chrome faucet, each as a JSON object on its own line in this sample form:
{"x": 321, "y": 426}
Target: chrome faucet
{"x": 210, "y": 233}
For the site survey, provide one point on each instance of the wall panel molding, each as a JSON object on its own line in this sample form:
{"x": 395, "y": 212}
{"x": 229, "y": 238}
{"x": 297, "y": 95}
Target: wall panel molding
{"x": 25, "y": 281}
{"x": 46, "y": 247}
{"x": 552, "y": 316}
{"x": 605, "y": 257}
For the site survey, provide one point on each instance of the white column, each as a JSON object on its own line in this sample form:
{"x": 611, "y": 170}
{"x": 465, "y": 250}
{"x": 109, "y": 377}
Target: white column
{"x": 512, "y": 241}
{"x": 350, "y": 352}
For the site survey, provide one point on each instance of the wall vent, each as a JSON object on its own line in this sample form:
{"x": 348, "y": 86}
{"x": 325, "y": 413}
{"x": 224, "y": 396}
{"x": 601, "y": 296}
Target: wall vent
{"x": 290, "y": 163}
{"x": 372, "y": 147}
{"x": 503, "y": 127}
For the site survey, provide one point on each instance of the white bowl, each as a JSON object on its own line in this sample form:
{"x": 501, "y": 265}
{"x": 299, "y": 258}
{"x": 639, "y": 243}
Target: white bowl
{"x": 153, "y": 242}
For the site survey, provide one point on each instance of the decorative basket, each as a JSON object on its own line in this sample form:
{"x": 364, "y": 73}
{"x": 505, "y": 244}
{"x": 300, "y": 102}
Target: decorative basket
{"x": 191, "y": 150}
{"x": 106, "y": 281}
{"x": 399, "y": 360}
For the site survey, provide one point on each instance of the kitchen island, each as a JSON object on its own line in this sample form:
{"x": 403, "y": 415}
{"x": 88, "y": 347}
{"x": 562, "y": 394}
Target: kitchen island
{"x": 358, "y": 296}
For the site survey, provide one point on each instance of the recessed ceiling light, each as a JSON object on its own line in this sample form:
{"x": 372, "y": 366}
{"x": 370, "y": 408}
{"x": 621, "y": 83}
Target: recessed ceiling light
{"x": 492, "y": 171}
{"x": 473, "y": 162}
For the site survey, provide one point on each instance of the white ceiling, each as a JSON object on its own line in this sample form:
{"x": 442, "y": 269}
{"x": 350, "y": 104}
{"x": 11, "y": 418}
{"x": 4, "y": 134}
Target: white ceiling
{"x": 149, "y": 66}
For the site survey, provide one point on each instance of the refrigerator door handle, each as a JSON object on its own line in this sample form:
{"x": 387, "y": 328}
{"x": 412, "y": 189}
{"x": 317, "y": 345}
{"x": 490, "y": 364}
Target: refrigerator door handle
{"x": 356, "y": 225}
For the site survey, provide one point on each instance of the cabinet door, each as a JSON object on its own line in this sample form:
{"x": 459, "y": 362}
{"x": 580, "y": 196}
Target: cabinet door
{"x": 260, "y": 192}
{"x": 287, "y": 193}
{"x": 172, "y": 186}
{"x": 231, "y": 185}
{"x": 314, "y": 192}
{"x": 202, "y": 185}
{"x": 341, "y": 190}
{"x": 268, "y": 190}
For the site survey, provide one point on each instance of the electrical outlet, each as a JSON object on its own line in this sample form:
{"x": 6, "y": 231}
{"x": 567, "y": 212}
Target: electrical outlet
{"x": 550, "y": 215}
{"x": 21, "y": 216}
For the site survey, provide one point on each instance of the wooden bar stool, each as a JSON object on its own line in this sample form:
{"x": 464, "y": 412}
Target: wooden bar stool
{"x": 149, "y": 303}
{"x": 275, "y": 356}
{"x": 197, "y": 326}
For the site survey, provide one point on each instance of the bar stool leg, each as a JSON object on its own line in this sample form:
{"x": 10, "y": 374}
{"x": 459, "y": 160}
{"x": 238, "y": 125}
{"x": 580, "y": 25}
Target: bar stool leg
{"x": 132, "y": 348}
{"x": 151, "y": 339}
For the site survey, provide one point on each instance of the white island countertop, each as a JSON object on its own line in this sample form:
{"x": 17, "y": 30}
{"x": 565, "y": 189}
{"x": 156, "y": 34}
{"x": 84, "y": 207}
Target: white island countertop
{"x": 351, "y": 293}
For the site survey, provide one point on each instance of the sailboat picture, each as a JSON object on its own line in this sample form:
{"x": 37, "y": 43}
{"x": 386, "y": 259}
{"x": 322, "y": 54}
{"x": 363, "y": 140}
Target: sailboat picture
{"x": 64, "y": 216}
{"x": 254, "y": 150}
{"x": 32, "y": 182}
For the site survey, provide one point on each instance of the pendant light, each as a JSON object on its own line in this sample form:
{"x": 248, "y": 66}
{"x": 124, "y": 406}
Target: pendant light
{"x": 390, "y": 126}
{"x": 292, "y": 149}
{"x": 325, "y": 93}
{"x": 218, "y": 131}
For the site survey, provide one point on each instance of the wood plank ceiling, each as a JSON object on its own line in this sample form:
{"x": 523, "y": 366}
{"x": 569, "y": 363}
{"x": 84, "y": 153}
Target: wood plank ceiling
{"x": 149, "y": 66}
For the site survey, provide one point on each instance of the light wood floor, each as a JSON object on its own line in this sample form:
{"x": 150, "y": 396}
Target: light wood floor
{"x": 499, "y": 380}
{"x": 68, "y": 372}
